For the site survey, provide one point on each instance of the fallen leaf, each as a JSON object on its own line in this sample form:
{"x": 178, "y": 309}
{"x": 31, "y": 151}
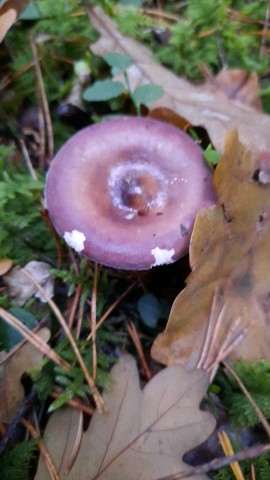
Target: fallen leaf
{"x": 217, "y": 114}
{"x": 13, "y": 365}
{"x": 237, "y": 85}
{"x": 225, "y": 308}
{"x": 21, "y": 288}
{"x": 9, "y": 13}
{"x": 63, "y": 436}
{"x": 145, "y": 433}
{"x": 5, "y": 265}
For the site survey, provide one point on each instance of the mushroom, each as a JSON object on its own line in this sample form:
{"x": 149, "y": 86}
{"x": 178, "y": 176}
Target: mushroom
{"x": 125, "y": 192}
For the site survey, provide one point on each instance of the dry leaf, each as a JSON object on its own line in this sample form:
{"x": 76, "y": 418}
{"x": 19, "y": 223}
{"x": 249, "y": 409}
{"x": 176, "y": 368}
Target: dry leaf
{"x": 236, "y": 85}
{"x": 9, "y": 13}
{"x": 214, "y": 112}
{"x": 225, "y": 307}
{"x": 5, "y": 265}
{"x": 145, "y": 433}
{"x": 63, "y": 436}
{"x": 21, "y": 288}
{"x": 22, "y": 358}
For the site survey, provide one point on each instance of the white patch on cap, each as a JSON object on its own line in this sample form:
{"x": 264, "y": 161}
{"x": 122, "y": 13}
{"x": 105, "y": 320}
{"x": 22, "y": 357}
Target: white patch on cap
{"x": 162, "y": 256}
{"x": 264, "y": 177}
{"x": 75, "y": 239}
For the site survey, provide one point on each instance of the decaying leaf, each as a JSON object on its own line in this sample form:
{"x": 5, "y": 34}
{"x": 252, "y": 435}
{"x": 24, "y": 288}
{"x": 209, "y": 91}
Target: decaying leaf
{"x": 63, "y": 436}
{"x": 216, "y": 113}
{"x": 225, "y": 308}
{"x": 21, "y": 288}
{"x": 21, "y": 359}
{"x": 145, "y": 433}
{"x": 237, "y": 85}
{"x": 9, "y": 12}
{"x": 5, "y": 265}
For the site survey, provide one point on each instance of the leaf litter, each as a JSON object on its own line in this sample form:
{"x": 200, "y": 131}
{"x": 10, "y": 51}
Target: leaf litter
{"x": 201, "y": 106}
{"x": 13, "y": 365}
{"x": 118, "y": 444}
{"x": 224, "y": 309}
{"x": 144, "y": 434}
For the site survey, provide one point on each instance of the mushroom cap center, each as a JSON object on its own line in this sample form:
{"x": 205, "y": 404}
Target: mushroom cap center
{"x": 137, "y": 188}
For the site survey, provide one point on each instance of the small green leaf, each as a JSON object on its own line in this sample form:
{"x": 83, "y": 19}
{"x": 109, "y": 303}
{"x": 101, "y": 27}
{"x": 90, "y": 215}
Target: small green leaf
{"x": 120, "y": 61}
{"x": 147, "y": 93}
{"x": 31, "y": 12}
{"x": 9, "y": 336}
{"x": 103, "y": 90}
{"x": 131, "y": 3}
{"x": 211, "y": 156}
{"x": 149, "y": 310}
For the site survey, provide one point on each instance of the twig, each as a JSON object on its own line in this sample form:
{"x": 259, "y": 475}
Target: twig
{"x": 27, "y": 160}
{"x": 252, "y": 472}
{"x": 136, "y": 340}
{"x": 76, "y": 446}
{"x": 228, "y": 450}
{"x": 49, "y": 463}
{"x": 47, "y": 220}
{"x": 79, "y": 321}
{"x": 258, "y": 411}
{"x": 112, "y": 307}
{"x": 93, "y": 320}
{"x": 209, "y": 331}
{"x": 218, "y": 463}
{"x": 45, "y": 105}
{"x": 33, "y": 338}
{"x": 74, "y": 403}
{"x": 160, "y": 13}
{"x": 73, "y": 309}
{"x": 97, "y": 397}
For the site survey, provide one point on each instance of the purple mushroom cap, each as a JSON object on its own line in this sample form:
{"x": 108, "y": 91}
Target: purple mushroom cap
{"x": 125, "y": 192}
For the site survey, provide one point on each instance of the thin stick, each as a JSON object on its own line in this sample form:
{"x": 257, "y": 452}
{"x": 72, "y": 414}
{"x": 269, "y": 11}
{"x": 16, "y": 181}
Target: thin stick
{"x": 252, "y": 472}
{"x": 79, "y": 321}
{"x": 136, "y": 340}
{"x": 33, "y": 338}
{"x": 160, "y": 13}
{"x": 214, "y": 337}
{"x": 76, "y": 446}
{"x": 93, "y": 320}
{"x": 222, "y": 356}
{"x": 97, "y": 397}
{"x": 226, "y": 344}
{"x": 47, "y": 220}
{"x": 210, "y": 328}
{"x": 45, "y": 105}
{"x": 73, "y": 309}
{"x": 112, "y": 307}
{"x": 228, "y": 450}
{"x": 257, "y": 410}
{"x": 49, "y": 463}
{"x": 27, "y": 160}
{"x": 74, "y": 403}
{"x": 218, "y": 463}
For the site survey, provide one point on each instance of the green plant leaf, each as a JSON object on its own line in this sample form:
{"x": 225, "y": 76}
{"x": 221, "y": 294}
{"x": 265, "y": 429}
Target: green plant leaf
{"x": 147, "y": 93}
{"x": 120, "y": 61}
{"x": 149, "y": 310}
{"x": 11, "y": 337}
{"x": 211, "y": 156}
{"x": 103, "y": 90}
{"x": 31, "y": 12}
